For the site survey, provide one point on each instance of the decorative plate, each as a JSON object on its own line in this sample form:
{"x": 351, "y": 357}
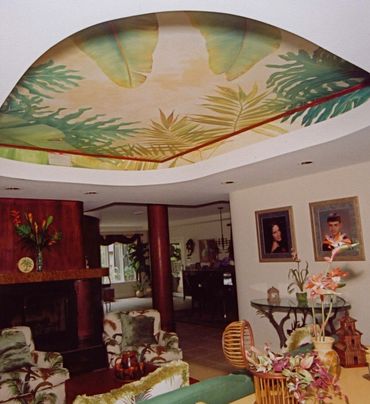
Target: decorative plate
{"x": 26, "y": 264}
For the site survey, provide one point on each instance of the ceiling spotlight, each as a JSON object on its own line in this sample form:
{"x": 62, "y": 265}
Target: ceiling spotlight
{"x": 12, "y": 188}
{"x": 90, "y": 193}
{"x": 305, "y": 163}
{"x": 227, "y": 182}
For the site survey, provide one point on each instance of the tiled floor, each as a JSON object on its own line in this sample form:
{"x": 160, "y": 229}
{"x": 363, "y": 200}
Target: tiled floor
{"x": 202, "y": 346}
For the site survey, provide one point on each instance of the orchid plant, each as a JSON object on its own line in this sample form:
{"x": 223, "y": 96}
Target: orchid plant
{"x": 298, "y": 274}
{"x": 323, "y": 285}
{"x": 306, "y": 376}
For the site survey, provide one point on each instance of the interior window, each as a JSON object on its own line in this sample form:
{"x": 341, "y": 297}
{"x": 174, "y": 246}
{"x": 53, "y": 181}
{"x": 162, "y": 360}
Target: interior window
{"x": 116, "y": 257}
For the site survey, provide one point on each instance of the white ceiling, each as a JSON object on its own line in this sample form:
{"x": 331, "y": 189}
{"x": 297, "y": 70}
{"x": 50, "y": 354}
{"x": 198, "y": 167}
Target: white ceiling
{"x": 200, "y": 183}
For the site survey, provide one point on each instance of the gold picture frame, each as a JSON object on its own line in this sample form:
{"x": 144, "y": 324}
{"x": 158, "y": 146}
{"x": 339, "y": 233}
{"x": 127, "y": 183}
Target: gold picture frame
{"x": 273, "y": 224}
{"x": 336, "y": 221}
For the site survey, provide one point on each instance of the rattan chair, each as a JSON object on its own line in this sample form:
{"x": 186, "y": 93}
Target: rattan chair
{"x": 236, "y": 339}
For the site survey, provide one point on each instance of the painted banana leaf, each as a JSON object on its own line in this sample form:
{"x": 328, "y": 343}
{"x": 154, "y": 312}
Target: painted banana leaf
{"x": 27, "y": 156}
{"x": 17, "y": 131}
{"x": 235, "y": 44}
{"x": 122, "y": 49}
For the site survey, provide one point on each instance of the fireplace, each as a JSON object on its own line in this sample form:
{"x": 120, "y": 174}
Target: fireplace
{"x": 48, "y": 308}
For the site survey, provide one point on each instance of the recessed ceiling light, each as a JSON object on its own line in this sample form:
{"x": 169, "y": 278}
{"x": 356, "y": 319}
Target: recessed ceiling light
{"x": 305, "y": 163}
{"x": 90, "y": 193}
{"x": 227, "y": 182}
{"x": 12, "y": 188}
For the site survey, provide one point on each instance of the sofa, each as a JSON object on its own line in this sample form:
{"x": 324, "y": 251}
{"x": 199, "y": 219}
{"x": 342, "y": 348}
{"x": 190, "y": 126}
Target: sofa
{"x": 28, "y": 375}
{"x": 169, "y": 384}
{"x": 139, "y": 330}
{"x": 168, "y": 377}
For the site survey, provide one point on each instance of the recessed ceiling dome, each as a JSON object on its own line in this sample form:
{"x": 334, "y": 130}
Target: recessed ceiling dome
{"x": 169, "y": 89}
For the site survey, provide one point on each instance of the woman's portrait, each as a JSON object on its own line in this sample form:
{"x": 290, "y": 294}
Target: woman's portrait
{"x": 275, "y": 234}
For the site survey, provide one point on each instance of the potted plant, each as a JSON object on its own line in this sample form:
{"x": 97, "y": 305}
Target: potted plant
{"x": 139, "y": 253}
{"x": 176, "y": 265}
{"x": 34, "y": 234}
{"x": 299, "y": 274}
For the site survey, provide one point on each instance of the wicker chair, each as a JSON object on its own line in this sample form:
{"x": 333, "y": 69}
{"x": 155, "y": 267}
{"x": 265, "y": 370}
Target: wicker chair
{"x": 236, "y": 339}
{"x": 270, "y": 388}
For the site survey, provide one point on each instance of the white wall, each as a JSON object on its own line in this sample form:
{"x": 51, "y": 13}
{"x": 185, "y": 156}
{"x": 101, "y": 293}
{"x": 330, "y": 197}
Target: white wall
{"x": 198, "y": 229}
{"x": 254, "y": 278}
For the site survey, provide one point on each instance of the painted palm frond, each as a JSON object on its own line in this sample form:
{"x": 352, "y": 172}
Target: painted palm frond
{"x": 235, "y": 44}
{"x": 48, "y": 78}
{"x": 307, "y": 77}
{"x": 174, "y": 134}
{"x": 236, "y": 109}
{"x": 122, "y": 49}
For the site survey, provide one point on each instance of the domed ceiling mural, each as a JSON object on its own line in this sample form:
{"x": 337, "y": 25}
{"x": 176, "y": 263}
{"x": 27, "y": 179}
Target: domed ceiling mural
{"x": 170, "y": 89}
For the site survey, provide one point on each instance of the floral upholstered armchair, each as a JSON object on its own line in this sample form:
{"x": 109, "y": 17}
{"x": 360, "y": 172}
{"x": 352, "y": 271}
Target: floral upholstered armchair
{"x": 27, "y": 375}
{"x": 141, "y": 331}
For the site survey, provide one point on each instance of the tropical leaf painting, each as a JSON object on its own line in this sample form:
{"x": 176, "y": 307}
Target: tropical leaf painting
{"x": 174, "y": 134}
{"x": 235, "y": 109}
{"x": 84, "y": 103}
{"x": 123, "y": 49}
{"x": 235, "y": 44}
{"x": 307, "y": 77}
{"x": 50, "y": 78}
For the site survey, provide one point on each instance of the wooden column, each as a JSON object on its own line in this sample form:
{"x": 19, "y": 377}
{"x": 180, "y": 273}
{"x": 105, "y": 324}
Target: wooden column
{"x": 159, "y": 243}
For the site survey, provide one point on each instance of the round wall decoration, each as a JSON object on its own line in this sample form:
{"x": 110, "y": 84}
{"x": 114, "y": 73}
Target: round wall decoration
{"x": 26, "y": 264}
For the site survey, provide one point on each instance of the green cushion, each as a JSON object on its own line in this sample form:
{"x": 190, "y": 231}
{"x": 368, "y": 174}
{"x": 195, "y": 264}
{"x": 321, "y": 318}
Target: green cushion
{"x": 217, "y": 390}
{"x": 137, "y": 330}
{"x": 14, "y": 352}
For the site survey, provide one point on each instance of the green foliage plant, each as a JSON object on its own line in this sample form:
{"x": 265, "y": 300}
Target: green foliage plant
{"x": 299, "y": 275}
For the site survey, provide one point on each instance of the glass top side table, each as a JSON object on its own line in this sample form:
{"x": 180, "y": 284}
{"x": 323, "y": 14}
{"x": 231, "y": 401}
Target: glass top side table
{"x": 296, "y": 313}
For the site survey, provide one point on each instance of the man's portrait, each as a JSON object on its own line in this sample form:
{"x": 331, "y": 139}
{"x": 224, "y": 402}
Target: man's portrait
{"x": 336, "y": 223}
{"x": 275, "y": 234}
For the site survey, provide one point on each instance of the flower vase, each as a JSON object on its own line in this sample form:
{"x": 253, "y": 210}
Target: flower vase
{"x": 39, "y": 261}
{"x": 301, "y": 299}
{"x": 327, "y": 355}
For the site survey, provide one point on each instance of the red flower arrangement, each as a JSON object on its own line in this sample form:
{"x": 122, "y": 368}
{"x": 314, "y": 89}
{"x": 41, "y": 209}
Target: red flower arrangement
{"x": 34, "y": 234}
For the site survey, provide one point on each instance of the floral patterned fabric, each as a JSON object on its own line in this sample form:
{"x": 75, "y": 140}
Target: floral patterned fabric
{"x": 42, "y": 382}
{"x": 169, "y": 377}
{"x": 165, "y": 349}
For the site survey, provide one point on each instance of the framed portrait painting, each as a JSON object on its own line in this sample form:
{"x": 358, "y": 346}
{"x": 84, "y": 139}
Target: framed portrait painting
{"x": 275, "y": 234}
{"x": 208, "y": 251}
{"x": 336, "y": 222}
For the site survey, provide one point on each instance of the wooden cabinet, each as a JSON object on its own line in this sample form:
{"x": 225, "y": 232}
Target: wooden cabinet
{"x": 213, "y": 291}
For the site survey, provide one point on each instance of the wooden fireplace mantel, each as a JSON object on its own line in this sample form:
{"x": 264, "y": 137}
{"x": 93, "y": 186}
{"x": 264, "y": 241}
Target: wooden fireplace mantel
{"x": 49, "y": 276}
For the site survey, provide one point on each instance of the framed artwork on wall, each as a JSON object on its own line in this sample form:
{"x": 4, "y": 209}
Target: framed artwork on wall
{"x": 336, "y": 222}
{"x": 208, "y": 251}
{"x": 275, "y": 234}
